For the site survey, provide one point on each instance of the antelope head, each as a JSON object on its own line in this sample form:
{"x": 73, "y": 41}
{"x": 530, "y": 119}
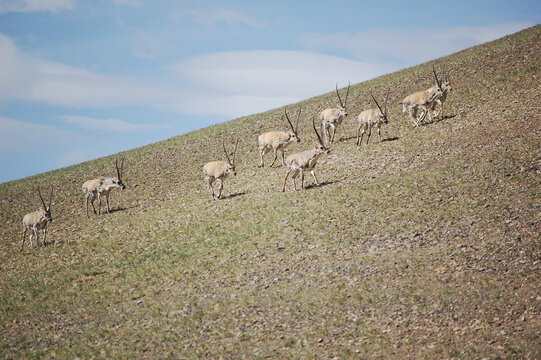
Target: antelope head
{"x": 446, "y": 81}
{"x": 294, "y": 133}
{"x": 230, "y": 169}
{"x": 118, "y": 180}
{"x": 383, "y": 111}
{"x": 47, "y": 209}
{"x": 342, "y": 110}
{"x": 320, "y": 149}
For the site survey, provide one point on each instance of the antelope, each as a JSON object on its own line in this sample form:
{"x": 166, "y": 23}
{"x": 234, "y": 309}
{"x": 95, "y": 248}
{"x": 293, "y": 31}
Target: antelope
{"x": 37, "y": 220}
{"x": 372, "y": 118}
{"x": 445, "y": 86}
{"x": 332, "y": 117}
{"x": 422, "y": 100}
{"x": 305, "y": 161}
{"x": 219, "y": 170}
{"x": 278, "y": 140}
{"x": 102, "y": 186}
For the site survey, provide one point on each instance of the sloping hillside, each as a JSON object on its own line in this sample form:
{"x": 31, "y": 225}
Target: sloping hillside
{"x": 423, "y": 246}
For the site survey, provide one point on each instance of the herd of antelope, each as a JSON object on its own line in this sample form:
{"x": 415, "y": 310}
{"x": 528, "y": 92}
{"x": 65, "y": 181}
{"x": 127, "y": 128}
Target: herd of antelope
{"x": 424, "y": 102}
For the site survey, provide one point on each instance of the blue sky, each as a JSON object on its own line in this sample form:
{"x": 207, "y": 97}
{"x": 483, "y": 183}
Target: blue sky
{"x": 83, "y": 79}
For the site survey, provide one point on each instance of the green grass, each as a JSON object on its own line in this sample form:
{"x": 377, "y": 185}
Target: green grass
{"x": 406, "y": 241}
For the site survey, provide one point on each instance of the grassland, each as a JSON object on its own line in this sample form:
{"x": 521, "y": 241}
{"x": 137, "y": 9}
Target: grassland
{"x": 424, "y": 246}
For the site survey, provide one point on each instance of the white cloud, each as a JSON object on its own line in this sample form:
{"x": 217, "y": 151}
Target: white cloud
{"x": 409, "y": 46}
{"x": 28, "y": 148}
{"x": 65, "y": 85}
{"x": 228, "y": 84}
{"x": 25, "y": 78}
{"x": 217, "y": 16}
{"x": 19, "y": 135}
{"x": 109, "y": 124}
{"x": 243, "y": 82}
{"x": 35, "y": 5}
{"x": 16, "y": 72}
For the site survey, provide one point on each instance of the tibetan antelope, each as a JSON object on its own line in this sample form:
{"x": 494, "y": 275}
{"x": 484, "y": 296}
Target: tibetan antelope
{"x": 305, "y": 161}
{"x": 331, "y": 118}
{"x": 372, "y": 118}
{"x": 102, "y": 186}
{"x": 445, "y": 86}
{"x": 422, "y": 100}
{"x": 37, "y": 220}
{"x": 219, "y": 170}
{"x": 278, "y": 140}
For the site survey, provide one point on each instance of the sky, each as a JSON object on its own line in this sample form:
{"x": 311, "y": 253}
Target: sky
{"x": 85, "y": 79}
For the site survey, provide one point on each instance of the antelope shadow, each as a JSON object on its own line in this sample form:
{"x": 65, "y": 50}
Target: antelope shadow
{"x": 321, "y": 184}
{"x": 234, "y": 195}
{"x": 439, "y": 119}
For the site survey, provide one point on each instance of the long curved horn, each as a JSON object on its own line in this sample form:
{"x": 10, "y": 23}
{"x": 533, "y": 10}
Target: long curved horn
{"x": 117, "y": 169}
{"x": 41, "y": 197}
{"x": 436, "y": 76}
{"x": 297, "y": 122}
{"x": 379, "y": 107}
{"x": 289, "y": 121}
{"x": 347, "y": 93}
{"x": 318, "y": 136}
{"x": 386, "y": 99}
{"x": 226, "y": 154}
{"x": 51, "y": 197}
{"x": 338, "y": 94}
{"x": 235, "y": 151}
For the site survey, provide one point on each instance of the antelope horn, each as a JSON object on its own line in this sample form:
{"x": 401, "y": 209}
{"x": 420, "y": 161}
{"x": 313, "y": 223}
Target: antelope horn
{"x": 347, "y": 93}
{"x": 337, "y": 93}
{"x": 379, "y": 107}
{"x": 289, "y": 121}
{"x": 235, "y": 151}
{"x": 297, "y": 122}
{"x": 318, "y": 136}
{"x": 117, "y": 169}
{"x": 225, "y": 151}
{"x": 41, "y": 197}
{"x": 436, "y": 76}
{"x": 121, "y": 168}
{"x": 386, "y": 99}
{"x": 51, "y": 197}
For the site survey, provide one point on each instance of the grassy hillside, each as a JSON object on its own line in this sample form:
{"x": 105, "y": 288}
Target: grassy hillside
{"x": 423, "y": 246}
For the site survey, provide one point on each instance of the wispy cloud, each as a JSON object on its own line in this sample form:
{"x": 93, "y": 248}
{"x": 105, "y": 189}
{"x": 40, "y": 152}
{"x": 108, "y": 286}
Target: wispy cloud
{"x": 218, "y": 16}
{"x": 244, "y": 82}
{"x": 109, "y": 124}
{"x": 230, "y": 84}
{"x": 37, "y": 80}
{"x": 19, "y": 135}
{"x": 35, "y": 5}
{"x": 408, "y": 46}
{"x": 227, "y": 84}
{"x": 27, "y": 148}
